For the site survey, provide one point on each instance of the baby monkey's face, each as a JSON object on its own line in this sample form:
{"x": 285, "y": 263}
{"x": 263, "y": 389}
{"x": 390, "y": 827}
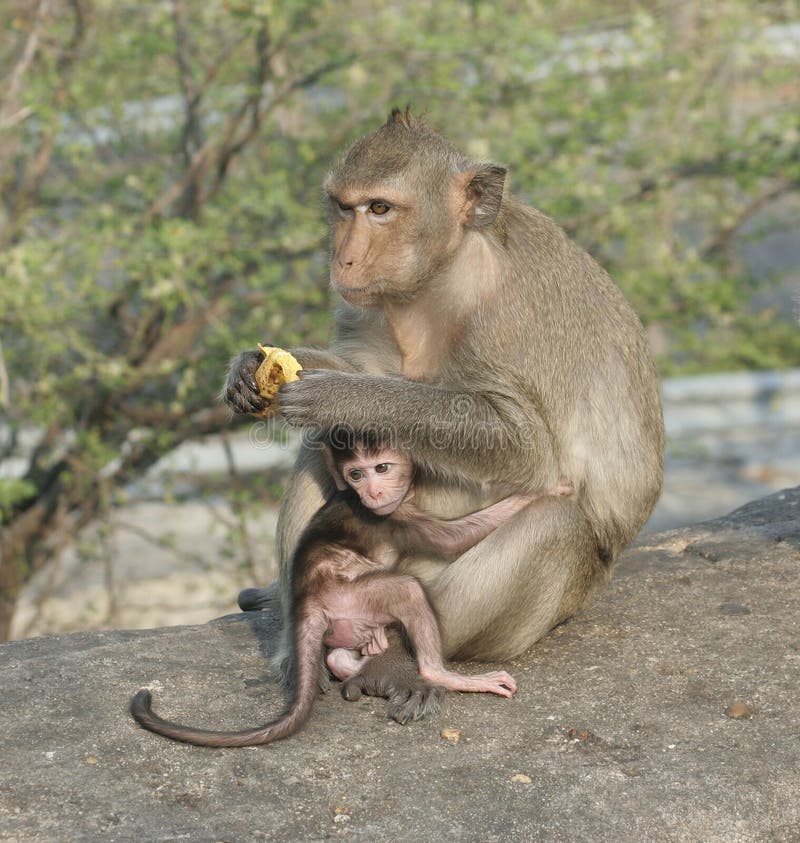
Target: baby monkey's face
{"x": 382, "y": 480}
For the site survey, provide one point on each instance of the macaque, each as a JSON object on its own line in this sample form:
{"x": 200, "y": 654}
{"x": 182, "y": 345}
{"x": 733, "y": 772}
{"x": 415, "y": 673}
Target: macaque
{"x": 345, "y": 592}
{"x": 470, "y": 328}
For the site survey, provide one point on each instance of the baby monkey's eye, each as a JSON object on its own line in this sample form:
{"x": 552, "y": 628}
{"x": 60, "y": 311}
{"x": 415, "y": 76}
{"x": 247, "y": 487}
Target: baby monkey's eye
{"x": 379, "y": 208}
{"x": 355, "y": 475}
{"x": 382, "y": 468}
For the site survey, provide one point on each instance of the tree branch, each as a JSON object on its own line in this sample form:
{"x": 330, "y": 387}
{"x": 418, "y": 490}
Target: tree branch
{"x": 721, "y": 239}
{"x": 192, "y": 134}
{"x": 8, "y": 105}
{"x": 38, "y": 163}
{"x": 5, "y": 386}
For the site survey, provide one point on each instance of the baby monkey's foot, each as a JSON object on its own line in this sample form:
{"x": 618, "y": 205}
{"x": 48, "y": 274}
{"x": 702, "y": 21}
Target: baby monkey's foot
{"x": 497, "y": 682}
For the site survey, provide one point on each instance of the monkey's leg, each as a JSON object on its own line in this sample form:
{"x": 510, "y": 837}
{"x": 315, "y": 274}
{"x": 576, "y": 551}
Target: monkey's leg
{"x": 530, "y": 574}
{"x": 495, "y": 682}
{"x": 404, "y": 598}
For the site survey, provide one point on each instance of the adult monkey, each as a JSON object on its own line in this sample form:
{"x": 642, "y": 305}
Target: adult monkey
{"x": 475, "y": 333}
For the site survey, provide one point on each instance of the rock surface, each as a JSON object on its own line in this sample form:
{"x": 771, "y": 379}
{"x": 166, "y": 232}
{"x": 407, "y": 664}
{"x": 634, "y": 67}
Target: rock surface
{"x": 619, "y": 731}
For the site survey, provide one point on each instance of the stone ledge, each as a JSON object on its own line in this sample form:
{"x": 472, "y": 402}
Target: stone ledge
{"x": 618, "y": 732}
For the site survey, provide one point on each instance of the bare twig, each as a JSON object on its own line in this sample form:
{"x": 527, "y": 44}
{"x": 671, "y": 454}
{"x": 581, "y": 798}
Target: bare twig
{"x": 243, "y": 534}
{"x": 106, "y": 548}
{"x": 30, "y": 182}
{"x": 9, "y": 105}
{"x": 5, "y": 386}
{"x": 192, "y": 135}
{"x": 719, "y": 242}
{"x": 162, "y": 541}
{"x": 217, "y": 153}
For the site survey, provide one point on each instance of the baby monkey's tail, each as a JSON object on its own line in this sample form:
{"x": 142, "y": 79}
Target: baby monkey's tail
{"x": 308, "y": 659}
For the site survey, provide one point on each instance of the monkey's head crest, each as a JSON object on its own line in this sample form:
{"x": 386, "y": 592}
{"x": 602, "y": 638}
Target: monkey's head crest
{"x": 403, "y": 118}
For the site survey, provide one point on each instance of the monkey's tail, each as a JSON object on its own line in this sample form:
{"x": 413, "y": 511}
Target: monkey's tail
{"x": 308, "y": 661}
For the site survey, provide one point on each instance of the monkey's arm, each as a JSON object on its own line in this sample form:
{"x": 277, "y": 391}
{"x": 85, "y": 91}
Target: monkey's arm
{"x": 470, "y": 428}
{"x": 427, "y": 534}
{"x": 321, "y": 358}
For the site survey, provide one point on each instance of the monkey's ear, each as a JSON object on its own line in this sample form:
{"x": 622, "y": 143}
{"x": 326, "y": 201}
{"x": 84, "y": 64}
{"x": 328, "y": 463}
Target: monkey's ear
{"x": 336, "y": 474}
{"x": 483, "y": 186}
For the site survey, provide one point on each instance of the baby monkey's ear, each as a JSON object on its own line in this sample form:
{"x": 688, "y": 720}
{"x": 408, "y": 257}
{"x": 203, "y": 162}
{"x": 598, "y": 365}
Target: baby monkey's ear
{"x": 334, "y": 469}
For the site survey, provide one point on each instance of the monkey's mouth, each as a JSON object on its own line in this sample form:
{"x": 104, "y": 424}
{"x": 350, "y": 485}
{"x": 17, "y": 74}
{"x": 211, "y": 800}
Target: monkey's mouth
{"x": 387, "y": 508}
{"x": 353, "y": 294}
{"x": 365, "y": 293}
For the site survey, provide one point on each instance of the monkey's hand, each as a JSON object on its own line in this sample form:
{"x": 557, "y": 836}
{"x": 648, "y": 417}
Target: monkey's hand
{"x": 303, "y": 402}
{"x": 278, "y": 367}
{"x": 240, "y": 391}
{"x": 378, "y": 643}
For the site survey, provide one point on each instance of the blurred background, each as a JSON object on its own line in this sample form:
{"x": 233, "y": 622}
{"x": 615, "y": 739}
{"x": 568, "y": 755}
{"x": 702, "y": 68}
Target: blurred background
{"x": 160, "y": 209}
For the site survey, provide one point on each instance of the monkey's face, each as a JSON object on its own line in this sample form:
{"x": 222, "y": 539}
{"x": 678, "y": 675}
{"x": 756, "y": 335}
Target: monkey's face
{"x": 381, "y": 480}
{"x": 376, "y": 254}
{"x": 390, "y": 238}
{"x": 401, "y": 200}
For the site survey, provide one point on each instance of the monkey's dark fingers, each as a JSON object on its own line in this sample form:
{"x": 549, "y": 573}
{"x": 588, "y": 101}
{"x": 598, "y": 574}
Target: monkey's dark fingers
{"x": 417, "y": 702}
{"x": 373, "y": 683}
{"x": 241, "y": 402}
{"x": 351, "y": 689}
{"x": 242, "y": 398}
{"x": 395, "y": 676}
{"x": 405, "y": 689}
{"x": 240, "y": 391}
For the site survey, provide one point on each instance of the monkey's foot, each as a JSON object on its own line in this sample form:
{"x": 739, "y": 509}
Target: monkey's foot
{"x": 416, "y": 702}
{"x": 255, "y": 599}
{"x": 408, "y": 700}
{"x": 394, "y": 676}
{"x": 497, "y": 682}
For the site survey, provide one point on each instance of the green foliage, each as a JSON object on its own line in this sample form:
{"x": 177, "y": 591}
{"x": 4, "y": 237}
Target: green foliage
{"x": 160, "y": 171}
{"x": 645, "y": 143}
{"x": 12, "y": 491}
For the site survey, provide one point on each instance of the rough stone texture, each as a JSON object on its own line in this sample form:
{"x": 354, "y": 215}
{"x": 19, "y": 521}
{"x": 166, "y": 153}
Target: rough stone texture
{"x": 618, "y": 732}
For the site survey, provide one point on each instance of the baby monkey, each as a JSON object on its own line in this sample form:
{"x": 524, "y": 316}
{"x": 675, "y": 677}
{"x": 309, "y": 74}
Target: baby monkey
{"x": 345, "y": 593}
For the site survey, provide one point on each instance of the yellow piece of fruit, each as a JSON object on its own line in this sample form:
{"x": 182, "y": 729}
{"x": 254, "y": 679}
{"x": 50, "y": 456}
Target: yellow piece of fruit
{"x": 279, "y": 367}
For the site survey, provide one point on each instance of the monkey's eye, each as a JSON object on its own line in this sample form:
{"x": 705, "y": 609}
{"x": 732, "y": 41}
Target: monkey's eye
{"x": 355, "y": 475}
{"x": 344, "y": 207}
{"x": 379, "y": 208}
{"x": 382, "y": 468}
